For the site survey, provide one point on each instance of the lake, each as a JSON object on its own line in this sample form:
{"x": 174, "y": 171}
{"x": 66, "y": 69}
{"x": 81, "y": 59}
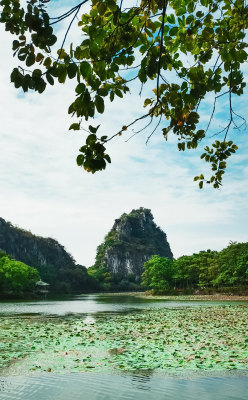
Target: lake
{"x": 118, "y": 343}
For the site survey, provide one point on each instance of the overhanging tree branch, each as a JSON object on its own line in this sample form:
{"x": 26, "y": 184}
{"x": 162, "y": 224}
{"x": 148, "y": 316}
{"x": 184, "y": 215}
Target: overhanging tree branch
{"x": 145, "y": 42}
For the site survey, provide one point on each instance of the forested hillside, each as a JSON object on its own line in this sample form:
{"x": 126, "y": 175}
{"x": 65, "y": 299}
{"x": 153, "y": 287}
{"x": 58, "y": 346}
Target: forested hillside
{"x": 54, "y": 264}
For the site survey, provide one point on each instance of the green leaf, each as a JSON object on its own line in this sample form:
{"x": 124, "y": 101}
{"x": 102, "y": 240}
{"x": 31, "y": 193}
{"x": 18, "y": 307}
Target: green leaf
{"x": 92, "y": 129}
{"x": 39, "y": 57}
{"x": 102, "y": 8}
{"x": 112, "y": 95}
{"x": 15, "y": 45}
{"x": 222, "y": 165}
{"x": 181, "y": 11}
{"x": 171, "y": 19}
{"x": 40, "y": 85}
{"x": 75, "y": 126}
{"x": 22, "y": 56}
{"x": 91, "y": 139}
{"x": 49, "y": 79}
{"x": 30, "y": 60}
{"x": 80, "y": 88}
{"x": 47, "y": 62}
{"x": 189, "y": 19}
{"x": 36, "y": 73}
{"x": 111, "y": 4}
{"x": 142, "y": 75}
{"x": 80, "y": 160}
{"x": 99, "y": 103}
{"x": 85, "y": 69}
{"x": 173, "y": 31}
{"x": 191, "y": 6}
{"x": 62, "y": 73}
{"x": 107, "y": 158}
{"x": 119, "y": 93}
{"x": 184, "y": 86}
{"x": 93, "y": 48}
{"x": 72, "y": 70}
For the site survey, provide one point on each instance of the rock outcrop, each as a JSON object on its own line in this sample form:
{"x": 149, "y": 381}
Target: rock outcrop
{"x": 31, "y": 249}
{"x": 55, "y": 265}
{"x": 133, "y": 239}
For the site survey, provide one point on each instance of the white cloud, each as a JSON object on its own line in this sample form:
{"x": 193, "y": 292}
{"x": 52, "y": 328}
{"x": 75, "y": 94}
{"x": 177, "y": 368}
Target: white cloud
{"x": 43, "y": 190}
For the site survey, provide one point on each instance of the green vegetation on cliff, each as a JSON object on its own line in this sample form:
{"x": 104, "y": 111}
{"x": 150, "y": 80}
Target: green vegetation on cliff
{"x": 134, "y": 252}
{"x": 227, "y": 269}
{"x": 54, "y": 264}
{"x": 133, "y": 239}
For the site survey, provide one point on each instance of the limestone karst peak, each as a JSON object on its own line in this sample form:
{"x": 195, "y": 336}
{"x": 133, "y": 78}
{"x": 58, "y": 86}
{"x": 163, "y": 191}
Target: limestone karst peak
{"x": 133, "y": 239}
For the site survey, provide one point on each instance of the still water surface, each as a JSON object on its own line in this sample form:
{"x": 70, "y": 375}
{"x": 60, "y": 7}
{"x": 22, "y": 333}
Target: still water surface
{"x": 87, "y": 386}
{"x": 91, "y": 386}
{"x": 97, "y": 303}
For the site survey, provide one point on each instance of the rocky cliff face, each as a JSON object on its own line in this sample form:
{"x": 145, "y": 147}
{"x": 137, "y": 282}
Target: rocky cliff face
{"x": 133, "y": 239}
{"x": 54, "y": 264}
{"x": 30, "y": 249}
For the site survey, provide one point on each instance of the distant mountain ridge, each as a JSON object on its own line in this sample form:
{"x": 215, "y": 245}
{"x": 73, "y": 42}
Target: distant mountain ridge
{"x": 55, "y": 265}
{"x": 133, "y": 239}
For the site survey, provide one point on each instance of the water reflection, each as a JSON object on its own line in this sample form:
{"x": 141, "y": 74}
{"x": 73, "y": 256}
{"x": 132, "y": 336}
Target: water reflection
{"x": 89, "y": 320}
{"x": 94, "y": 303}
{"x": 91, "y": 386}
{"x": 142, "y": 380}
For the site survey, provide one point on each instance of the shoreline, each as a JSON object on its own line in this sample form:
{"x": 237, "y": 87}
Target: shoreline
{"x": 192, "y": 297}
{"x": 143, "y": 295}
{"x": 196, "y": 297}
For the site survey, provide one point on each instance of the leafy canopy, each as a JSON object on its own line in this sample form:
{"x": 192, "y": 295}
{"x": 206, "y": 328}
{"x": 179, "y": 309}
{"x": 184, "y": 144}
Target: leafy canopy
{"x": 148, "y": 43}
{"x": 158, "y": 273}
{"x": 15, "y": 276}
{"x": 206, "y": 269}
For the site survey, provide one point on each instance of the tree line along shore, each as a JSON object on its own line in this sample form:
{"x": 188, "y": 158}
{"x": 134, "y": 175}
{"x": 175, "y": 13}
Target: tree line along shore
{"x": 222, "y": 275}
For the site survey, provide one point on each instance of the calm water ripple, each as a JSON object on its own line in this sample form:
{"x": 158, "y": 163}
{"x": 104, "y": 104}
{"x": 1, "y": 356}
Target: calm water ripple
{"x": 90, "y": 386}
{"x": 90, "y": 304}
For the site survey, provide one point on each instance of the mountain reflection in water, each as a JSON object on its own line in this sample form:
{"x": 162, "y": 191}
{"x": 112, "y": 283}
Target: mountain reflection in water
{"x": 96, "y": 303}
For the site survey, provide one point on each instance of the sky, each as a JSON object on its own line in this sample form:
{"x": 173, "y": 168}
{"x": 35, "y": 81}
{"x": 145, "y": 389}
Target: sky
{"x": 43, "y": 190}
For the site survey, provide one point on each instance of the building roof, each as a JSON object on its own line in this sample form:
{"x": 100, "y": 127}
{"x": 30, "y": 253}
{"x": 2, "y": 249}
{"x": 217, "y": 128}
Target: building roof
{"x": 41, "y": 283}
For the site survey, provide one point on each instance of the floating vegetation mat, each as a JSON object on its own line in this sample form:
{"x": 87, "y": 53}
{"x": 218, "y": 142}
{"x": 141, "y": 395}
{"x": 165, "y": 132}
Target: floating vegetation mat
{"x": 171, "y": 340}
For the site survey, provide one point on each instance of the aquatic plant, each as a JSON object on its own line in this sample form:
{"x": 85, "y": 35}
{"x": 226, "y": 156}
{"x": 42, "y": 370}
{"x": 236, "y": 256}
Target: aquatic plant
{"x": 183, "y": 339}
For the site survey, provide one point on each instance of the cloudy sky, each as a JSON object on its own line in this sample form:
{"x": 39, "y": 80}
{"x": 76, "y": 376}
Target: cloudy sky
{"x": 43, "y": 190}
